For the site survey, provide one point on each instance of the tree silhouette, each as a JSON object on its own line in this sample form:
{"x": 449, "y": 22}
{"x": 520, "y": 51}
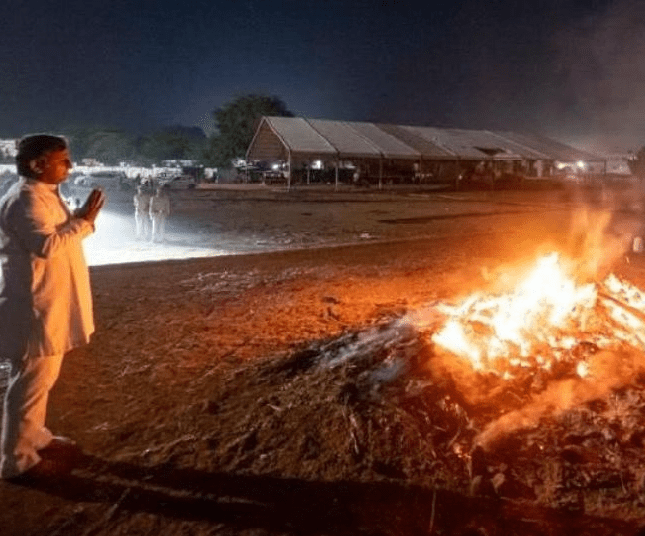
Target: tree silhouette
{"x": 172, "y": 143}
{"x": 236, "y": 122}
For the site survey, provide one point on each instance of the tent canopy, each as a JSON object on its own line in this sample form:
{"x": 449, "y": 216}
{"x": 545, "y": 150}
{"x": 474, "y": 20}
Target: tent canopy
{"x": 297, "y": 138}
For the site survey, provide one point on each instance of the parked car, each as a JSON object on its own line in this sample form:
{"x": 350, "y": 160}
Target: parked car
{"x": 179, "y": 183}
{"x": 109, "y": 180}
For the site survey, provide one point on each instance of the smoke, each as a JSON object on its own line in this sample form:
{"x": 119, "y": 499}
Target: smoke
{"x": 600, "y": 71}
{"x": 609, "y": 370}
{"x": 597, "y": 241}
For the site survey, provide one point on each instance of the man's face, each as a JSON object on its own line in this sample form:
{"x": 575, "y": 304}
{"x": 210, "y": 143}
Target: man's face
{"x": 53, "y": 167}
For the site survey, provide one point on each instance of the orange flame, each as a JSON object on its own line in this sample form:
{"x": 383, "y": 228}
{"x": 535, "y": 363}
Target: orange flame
{"x": 542, "y": 320}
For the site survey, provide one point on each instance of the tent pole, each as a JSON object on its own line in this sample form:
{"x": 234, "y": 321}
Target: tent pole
{"x": 337, "y": 165}
{"x": 289, "y": 173}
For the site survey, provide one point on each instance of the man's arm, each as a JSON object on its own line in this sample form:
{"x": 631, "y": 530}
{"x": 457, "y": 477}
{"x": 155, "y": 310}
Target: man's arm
{"x": 31, "y": 220}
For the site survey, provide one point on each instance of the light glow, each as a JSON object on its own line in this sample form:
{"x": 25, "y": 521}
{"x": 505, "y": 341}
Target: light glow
{"x": 114, "y": 242}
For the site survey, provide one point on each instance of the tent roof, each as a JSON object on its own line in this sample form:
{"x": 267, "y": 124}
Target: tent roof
{"x": 477, "y": 144}
{"x": 347, "y": 141}
{"x": 424, "y": 146}
{"x": 554, "y": 149}
{"x": 388, "y": 145}
{"x": 277, "y": 138}
{"x": 297, "y": 136}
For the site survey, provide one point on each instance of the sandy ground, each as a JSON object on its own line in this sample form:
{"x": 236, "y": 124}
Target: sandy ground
{"x": 207, "y": 223}
{"x": 200, "y": 403}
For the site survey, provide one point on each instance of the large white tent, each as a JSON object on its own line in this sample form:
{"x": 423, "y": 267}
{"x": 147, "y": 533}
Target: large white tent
{"x": 294, "y": 140}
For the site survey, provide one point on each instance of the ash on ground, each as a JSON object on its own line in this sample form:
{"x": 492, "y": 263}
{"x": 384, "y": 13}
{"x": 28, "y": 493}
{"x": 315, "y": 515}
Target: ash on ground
{"x": 368, "y": 401}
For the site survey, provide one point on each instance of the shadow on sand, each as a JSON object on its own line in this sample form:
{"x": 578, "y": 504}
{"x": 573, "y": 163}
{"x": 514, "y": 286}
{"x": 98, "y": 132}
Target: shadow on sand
{"x": 297, "y": 506}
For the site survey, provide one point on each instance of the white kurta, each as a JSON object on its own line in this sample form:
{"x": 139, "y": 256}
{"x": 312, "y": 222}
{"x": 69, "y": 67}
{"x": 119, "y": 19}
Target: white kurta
{"x": 141, "y": 203}
{"x": 45, "y": 296}
{"x": 141, "y": 214}
{"x": 159, "y": 205}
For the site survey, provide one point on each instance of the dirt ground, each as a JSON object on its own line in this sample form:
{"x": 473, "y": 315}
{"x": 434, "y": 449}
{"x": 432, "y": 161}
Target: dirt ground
{"x": 261, "y": 392}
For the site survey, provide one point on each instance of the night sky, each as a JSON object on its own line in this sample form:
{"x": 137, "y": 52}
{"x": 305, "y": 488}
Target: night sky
{"x": 573, "y": 70}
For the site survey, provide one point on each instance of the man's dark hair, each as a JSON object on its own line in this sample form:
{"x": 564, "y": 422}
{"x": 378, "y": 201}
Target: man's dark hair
{"x": 33, "y": 147}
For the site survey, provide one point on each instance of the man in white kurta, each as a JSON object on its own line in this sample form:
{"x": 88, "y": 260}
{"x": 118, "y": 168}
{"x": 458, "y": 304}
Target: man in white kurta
{"x": 45, "y": 297}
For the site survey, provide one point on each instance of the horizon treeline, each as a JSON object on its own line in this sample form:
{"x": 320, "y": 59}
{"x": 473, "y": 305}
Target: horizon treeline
{"x": 235, "y": 124}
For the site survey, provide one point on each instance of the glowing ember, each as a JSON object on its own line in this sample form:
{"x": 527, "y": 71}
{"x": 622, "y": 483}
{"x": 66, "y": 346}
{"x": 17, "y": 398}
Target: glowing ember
{"x": 547, "y": 319}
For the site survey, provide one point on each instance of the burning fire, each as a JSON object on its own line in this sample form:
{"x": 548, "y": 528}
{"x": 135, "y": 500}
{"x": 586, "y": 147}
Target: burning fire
{"x": 548, "y": 319}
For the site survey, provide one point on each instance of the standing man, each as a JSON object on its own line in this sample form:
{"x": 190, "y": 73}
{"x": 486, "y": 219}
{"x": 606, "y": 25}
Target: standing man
{"x": 45, "y": 301}
{"x": 142, "y": 212}
{"x": 159, "y": 211}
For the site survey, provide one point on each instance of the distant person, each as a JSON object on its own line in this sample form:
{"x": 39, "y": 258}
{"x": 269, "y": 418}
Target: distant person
{"x": 159, "y": 212}
{"x": 45, "y": 301}
{"x": 142, "y": 213}
{"x": 6, "y": 180}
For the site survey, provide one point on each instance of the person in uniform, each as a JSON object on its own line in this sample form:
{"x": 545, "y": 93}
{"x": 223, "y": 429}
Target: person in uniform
{"x": 159, "y": 212}
{"x": 142, "y": 213}
{"x": 45, "y": 300}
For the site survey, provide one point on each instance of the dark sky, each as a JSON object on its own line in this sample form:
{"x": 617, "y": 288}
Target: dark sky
{"x": 571, "y": 69}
